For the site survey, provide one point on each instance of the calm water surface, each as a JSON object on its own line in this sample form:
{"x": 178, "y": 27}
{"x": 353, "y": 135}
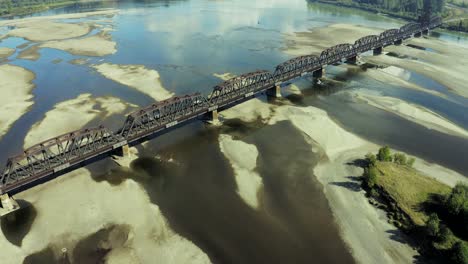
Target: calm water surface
{"x": 188, "y": 41}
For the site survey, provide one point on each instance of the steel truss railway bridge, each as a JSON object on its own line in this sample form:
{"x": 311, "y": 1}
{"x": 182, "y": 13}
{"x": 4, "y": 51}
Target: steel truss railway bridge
{"x": 64, "y": 153}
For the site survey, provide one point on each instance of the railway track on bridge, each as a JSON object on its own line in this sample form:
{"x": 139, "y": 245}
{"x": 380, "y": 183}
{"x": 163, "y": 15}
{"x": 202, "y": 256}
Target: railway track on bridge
{"x": 64, "y": 153}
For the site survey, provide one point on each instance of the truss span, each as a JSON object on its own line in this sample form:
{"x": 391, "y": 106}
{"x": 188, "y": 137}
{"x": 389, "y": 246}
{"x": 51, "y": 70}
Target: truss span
{"x": 71, "y": 149}
{"x": 162, "y": 115}
{"x": 239, "y": 87}
{"x": 56, "y": 154}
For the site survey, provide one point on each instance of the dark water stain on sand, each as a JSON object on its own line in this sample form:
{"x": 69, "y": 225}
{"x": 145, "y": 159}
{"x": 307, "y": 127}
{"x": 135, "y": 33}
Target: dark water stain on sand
{"x": 17, "y": 224}
{"x": 92, "y": 249}
{"x": 197, "y": 193}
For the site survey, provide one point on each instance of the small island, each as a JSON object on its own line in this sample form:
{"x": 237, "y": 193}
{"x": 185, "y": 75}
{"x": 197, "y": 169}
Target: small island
{"x": 432, "y": 213}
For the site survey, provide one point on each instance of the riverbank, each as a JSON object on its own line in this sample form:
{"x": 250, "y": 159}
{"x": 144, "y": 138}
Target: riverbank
{"x": 420, "y": 206}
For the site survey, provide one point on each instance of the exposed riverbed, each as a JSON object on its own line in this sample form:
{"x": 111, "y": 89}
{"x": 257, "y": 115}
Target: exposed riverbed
{"x": 274, "y": 183}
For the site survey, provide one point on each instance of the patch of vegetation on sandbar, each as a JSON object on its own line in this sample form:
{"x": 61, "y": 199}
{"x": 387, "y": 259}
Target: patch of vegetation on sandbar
{"x": 432, "y": 213}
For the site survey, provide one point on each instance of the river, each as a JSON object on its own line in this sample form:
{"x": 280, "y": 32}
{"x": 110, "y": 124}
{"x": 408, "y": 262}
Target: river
{"x": 186, "y": 42}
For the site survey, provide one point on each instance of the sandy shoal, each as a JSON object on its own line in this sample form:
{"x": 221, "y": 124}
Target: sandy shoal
{"x": 45, "y": 30}
{"x": 319, "y": 39}
{"x": 412, "y": 112}
{"x": 6, "y": 52}
{"x": 399, "y": 78}
{"x": 243, "y": 159}
{"x": 138, "y": 77}
{"x": 72, "y": 115}
{"x": 224, "y": 76}
{"x": 446, "y": 64}
{"x": 31, "y": 53}
{"x": 65, "y": 215}
{"x": 97, "y": 45}
{"x": 61, "y": 16}
{"x": 248, "y": 111}
{"x": 16, "y": 87}
{"x": 359, "y": 221}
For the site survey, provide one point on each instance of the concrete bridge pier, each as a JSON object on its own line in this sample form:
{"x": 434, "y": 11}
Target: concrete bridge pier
{"x": 398, "y": 42}
{"x": 123, "y": 151}
{"x": 7, "y": 205}
{"x": 274, "y": 92}
{"x": 417, "y": 34}
{"x": 351, "y": 60}
{"x": 378, "y": 50}
{"x": 319, "y": 73}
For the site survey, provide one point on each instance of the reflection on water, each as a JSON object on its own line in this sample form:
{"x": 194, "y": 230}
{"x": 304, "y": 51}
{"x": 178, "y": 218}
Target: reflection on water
{"x": 188, "y": 41}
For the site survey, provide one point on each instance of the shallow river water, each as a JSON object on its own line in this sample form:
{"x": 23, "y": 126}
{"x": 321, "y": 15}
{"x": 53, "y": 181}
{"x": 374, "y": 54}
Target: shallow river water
{"x": 187, "y": 42}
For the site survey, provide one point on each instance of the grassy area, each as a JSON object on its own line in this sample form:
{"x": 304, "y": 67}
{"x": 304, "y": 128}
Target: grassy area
{"x": 33, "y": 8}
{"x": 433, "y": 213}
{"x": 409, "y": 188}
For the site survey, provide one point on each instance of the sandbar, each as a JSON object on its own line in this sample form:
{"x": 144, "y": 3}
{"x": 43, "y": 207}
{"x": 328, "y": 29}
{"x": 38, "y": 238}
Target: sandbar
{"x": 243, "y": 159}
{"x": 97, "y": 45}
{"x": 6, "y": 52}
{"x": 16, "y": 86}
{"x": 138, "y": 77}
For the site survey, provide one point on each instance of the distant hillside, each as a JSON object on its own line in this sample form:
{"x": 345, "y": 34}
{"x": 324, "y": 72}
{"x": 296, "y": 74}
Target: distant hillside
{"x": 18, "y": 7}
{"x": 409, "y": 9}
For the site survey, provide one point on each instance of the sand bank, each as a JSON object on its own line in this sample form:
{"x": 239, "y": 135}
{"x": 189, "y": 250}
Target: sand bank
{"x": 318, "y": 39}
{"x": 45, "y": 30}
{"x": 397, "y": 77}
{"x": 355, "y": 216}
{"x": 249, "y": 111}
{"x": 446, "y": 64}
{"x": 72, "y": 115}
{"x": 359, "y": 221}
{"x": 412, "y": 112}
{"x": 31, "y": 53}
{"x": 65, "y": 216}
{"x": 243, "y": 159}
{"x": 107, "y": 12}
{"x": 96, "y": 45}
{"x": 16, "y": 87}
{"x": 6, "y": 52}
{"x": 136, "y": 76}
{"x": 224, "y": 76}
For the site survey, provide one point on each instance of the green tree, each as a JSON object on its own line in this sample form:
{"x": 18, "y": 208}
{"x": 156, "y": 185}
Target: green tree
{"x": 384, "y": 154}
{"x": 370, "y": 176}
{"x": 399, "y": 158}
{"x": 371, "y": 159}
{"x": 457, "y": 201}
{"x": 433, "y": 225}
{"x": 460, "y": 253}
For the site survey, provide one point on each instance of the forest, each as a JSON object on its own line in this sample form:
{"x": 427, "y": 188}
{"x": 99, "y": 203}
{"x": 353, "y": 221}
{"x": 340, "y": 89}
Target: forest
{"x": 17, "y": 7}
{"x": 409, "y": 9}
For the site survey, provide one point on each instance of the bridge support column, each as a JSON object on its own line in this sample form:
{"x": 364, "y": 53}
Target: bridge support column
{"x": 398, "y": 42}
{"x": 417, "y": 35}
{"x": 351, "y": 60}
{"x": 274, "y": 92}
{"x": 319, "y": 73}
{"x": 378, "y": 50}
{"x": 123, "y": 151}
{"x": 8, "y": 204}
{"x": 213, "y": 117}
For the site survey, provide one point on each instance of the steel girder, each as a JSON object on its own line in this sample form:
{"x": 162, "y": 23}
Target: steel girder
{"x": 336, "y": 53}
{"x": 410, "y": 28}
{"x": 295, "y": 67}
{"x": 389, "y": 36}
{"x": 162, "y": 115}
{"x": 366, "y": 43}
{"x": 240, "y": 86}
{"x": 56, "y": 154}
